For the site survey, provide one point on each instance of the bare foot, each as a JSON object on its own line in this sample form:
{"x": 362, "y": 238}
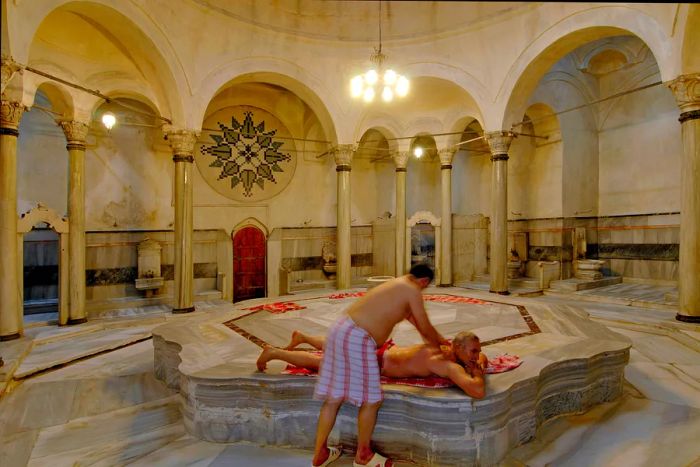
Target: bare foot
{"x": 297, "y": 339}
{"x": 265, "y": 356}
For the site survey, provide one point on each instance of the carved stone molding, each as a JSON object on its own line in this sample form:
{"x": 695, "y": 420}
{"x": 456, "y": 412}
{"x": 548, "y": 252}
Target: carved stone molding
{"x": 182, "y": 141}
{"x": 686, "y": 90}
{"x": 446, "y": 155}
{"x": 499, "y": 141}
{"x": 9, "y": 68}
{"x": 343, "y": 154}
{"x": 76, "y": 133}
{"x": 401, "y": 159}
{"x": 10, "y": 114}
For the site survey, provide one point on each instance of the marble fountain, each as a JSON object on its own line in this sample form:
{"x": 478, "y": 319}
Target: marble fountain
{"x": 570, "y": 364}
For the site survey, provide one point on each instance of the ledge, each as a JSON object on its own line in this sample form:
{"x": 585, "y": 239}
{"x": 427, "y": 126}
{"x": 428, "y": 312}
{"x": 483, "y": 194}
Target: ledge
{"x": 569, "y": 365}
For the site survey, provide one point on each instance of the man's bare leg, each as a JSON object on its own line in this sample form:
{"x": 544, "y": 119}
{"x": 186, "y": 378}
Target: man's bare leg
{"x": 298, "y": 338}
{"x": 326, "y": 420}
{"x": 366, "y": 419}
{"x": 295, "y": 357}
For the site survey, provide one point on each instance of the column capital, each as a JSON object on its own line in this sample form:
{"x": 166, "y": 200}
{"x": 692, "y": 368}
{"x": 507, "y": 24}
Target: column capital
{"x": 686, "y": 90}
{"x": 9, "y": 67}
{"x": 446, "y": 156}
{"x": 76, "y": 133}
{"x": 499, "y": 143}
{"x": 401, "y": 159}
{"x": 343, "y": 154}
{"x": 182, "y": 143}
{"x": 10, "y": 115}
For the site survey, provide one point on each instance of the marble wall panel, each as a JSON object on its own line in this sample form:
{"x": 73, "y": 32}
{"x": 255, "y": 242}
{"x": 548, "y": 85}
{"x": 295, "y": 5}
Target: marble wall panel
{"x": 469, "y": 247}
{"x": 383, "y": 247}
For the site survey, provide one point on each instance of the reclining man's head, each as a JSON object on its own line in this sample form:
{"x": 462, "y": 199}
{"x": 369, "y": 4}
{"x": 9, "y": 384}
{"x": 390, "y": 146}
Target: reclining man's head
{"x": 466, "y": 347}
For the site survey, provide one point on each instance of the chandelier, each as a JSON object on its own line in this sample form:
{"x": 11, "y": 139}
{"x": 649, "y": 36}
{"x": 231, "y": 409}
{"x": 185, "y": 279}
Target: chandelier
{"x": 377, "y": 79}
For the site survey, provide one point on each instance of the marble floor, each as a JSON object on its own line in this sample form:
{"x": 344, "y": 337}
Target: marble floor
{"x": 89, "y": 397}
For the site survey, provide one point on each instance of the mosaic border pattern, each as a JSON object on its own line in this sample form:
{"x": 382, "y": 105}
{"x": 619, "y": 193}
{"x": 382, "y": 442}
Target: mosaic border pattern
{"x": 524, "y": 314}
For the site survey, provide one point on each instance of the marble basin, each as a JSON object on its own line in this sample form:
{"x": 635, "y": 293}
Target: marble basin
{"x": 569, "y": 365}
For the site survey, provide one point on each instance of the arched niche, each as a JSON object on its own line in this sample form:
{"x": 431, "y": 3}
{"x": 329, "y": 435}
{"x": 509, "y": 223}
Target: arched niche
{"x": 26, "y": 222}
{"x": 425, "y": 217}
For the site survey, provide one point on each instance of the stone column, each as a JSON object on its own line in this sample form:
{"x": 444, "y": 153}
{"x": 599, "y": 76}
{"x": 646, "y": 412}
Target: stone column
{"x": 76, "y": 132}
{"x": 11, "y": 307}
{"x": 446, "y": 156}
{"x": 686, "y": 89}
{"x": 343, "y": 159}
{"x": 182, "y": 143}
{"x": 499, "y": 142}
{"x": 401, "y": 160}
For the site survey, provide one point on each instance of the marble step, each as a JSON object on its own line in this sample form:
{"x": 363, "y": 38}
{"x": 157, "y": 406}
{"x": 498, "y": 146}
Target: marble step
{"x": 573, "y": 284}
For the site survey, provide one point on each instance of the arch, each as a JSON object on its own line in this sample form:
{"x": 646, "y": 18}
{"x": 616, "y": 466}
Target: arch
{"x": 384, "y": 124}
{"x": 276, "y": 71}
{"x": 460, "y": 125}
{"x": 248, "y": 222}
{"x": 568, "y": 34}
{"x": 472, "y": 87}
{"x": 41, "y": 213}
{"x": 60, "y": 225}
{"x": 249, "y": 261}
{"x": 135, "y": 29}
{"x": 61, "y": 100}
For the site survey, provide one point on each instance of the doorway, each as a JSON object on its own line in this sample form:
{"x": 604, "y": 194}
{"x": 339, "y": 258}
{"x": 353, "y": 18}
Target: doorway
{"x": 249, "y": 250}
{"x": 41, "y": 274}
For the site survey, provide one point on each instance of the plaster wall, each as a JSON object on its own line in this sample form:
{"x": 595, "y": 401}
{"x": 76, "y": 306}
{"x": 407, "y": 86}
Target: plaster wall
{"x": 640, "y": 149}
{"x": 42, "y": 162}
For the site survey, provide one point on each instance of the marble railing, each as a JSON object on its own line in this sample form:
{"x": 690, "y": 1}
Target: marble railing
{"x": 570, "y": 366}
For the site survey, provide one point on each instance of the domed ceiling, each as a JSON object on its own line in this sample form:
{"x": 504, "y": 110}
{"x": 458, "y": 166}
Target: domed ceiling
{"x": 358, "y": 20}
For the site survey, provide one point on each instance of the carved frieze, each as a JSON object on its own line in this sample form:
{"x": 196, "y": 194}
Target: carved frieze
{"x": 182, "y": 141}
{"x": 446, "y": 156}
{"x": 343, "y": 154}
{"x": 499, "y": 141}
{"x": 9, "y": 68}
{"x": 10, "y": 114}
{"x": 75, "y": 131}
{"x": 401, "y": 159}
{"x": 686, "y": 90}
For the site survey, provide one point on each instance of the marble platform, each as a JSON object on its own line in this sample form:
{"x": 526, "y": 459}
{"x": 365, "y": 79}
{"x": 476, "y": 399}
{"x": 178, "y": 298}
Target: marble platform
{"x": 571, "y": 364}
{"x": 574, "y": 284}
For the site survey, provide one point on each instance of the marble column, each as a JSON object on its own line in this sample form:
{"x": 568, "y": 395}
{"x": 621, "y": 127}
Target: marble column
{"x": 11, "y": 308}
{"x": 446, "y": 156}
{"x": 499, "y": 143}
{"x": 343, "y": 160}
{"x": 686, "y": 89}
{"x": 76, "y": 133}
{"x": 182, "y": 142}
{"x": 401, "y": 160}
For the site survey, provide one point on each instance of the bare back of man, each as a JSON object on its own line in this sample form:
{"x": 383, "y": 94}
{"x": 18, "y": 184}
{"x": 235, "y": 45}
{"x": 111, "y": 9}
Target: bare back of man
{"x": 390, "y": 303}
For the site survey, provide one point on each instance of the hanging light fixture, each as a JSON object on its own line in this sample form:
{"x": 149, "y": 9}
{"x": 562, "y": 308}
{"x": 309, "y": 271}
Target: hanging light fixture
{"x": 108, "y": 120}
{"x": 387, "y": 83}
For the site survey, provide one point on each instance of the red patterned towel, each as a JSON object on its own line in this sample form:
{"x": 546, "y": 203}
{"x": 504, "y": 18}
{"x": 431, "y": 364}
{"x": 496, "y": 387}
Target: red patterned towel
{"x": 337, "y": 296}
{"x": 498, "y": 364}
{"x": 453, "y": 299}
{"x": 278, "y": 307}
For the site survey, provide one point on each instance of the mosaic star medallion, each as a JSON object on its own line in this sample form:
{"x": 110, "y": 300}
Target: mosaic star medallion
{"x": 247, "y": 160}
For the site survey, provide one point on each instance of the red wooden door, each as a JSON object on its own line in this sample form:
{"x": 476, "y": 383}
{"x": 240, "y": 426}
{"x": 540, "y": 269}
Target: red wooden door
{"x": 248, "y": 264}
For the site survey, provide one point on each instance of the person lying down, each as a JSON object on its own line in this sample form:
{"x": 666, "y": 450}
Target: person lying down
{"x": 462, "y": 362}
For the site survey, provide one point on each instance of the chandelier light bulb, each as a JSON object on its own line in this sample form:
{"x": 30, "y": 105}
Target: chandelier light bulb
{"x": 356, "y": 86}
{"x": 387, "y": 94}
{"x": 390, "y": 77}
{"x": 108, "y": 120}
{"x": 371, "y": 77}
{"x": 418, "y": 152}
{"x": 368, "y": 95}
{"x": 402, "y": 86}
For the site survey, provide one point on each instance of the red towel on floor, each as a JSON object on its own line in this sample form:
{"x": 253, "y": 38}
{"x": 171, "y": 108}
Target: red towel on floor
{"x": 498, "y": 364}
{"x": 453, "y": 299}
{"x": 337, "y": 296}
{"x": 278, "y": 307}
